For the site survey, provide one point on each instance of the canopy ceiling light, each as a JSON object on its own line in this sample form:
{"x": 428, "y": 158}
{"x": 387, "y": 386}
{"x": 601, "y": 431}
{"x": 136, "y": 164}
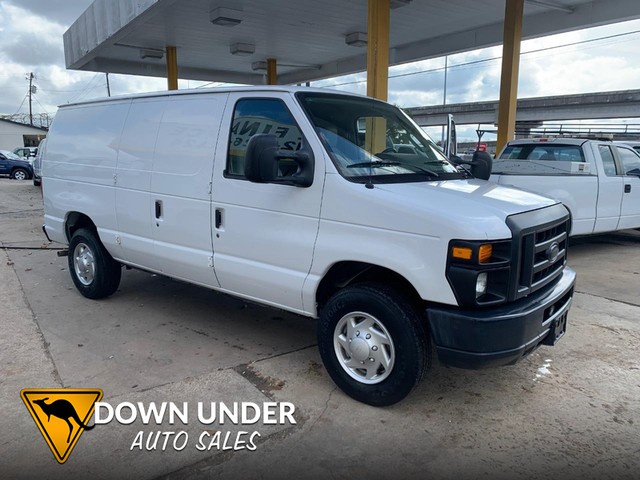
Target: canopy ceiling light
{"x": 399, "y": 3}
{"x": 242, "y": 49}
{"x": 151, "y": 53}
{"x": 259, "y": 66}
{"x": 552, "y": 5}
{"x": 356, "y": 39}
{"x": 225, "y": 16}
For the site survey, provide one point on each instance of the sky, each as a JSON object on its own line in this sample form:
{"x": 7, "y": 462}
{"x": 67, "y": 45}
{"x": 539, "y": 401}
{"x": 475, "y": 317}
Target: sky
{"x": 593, "y": 60}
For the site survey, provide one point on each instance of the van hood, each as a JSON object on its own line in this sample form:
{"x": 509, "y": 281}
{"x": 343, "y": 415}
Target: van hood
{"x": 456, "y": 194}
{"x": 471, "y": 209}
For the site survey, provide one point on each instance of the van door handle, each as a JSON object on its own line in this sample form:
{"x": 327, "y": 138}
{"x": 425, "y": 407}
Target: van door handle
{"x": 627, "y": 188}
{"x": 158, "y": 209}
{"x": 218, "y": 218}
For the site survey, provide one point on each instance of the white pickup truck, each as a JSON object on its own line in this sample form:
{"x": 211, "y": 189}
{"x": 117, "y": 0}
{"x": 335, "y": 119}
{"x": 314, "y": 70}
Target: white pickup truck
{"x": 598, "y": 181}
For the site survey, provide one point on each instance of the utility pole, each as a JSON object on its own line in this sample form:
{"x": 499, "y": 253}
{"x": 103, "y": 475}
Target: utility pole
{"x": 31, "y": 92}
{"x": 108, "y": 87}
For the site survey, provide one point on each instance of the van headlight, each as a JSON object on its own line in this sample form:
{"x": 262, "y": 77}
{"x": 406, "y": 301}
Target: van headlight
{"x": 478, "y": 271}
{"x": 481, "y": 284}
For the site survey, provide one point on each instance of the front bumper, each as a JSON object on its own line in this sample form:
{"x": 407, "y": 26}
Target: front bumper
{"x": 501, "y": 335}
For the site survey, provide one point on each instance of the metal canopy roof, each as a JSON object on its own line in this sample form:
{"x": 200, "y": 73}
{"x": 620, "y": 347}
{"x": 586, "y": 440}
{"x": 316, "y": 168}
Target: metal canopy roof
{"x": 307, "y": 37}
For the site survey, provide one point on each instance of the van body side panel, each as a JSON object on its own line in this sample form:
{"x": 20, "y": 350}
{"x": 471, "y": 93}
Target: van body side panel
{"x": 264, "y": 245}
{"x": 352, "y": 228}
{"x": 182, "y": 169}
{"x": 134, "y": 208}
{"x": 80, "y": 168}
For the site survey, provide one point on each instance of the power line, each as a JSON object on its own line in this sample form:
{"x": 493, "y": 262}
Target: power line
{"x": 42, "y": 106}
{"x": 21, "y": 104}
{"x": 85, "y": 89}
{"x": 485, "y": 60}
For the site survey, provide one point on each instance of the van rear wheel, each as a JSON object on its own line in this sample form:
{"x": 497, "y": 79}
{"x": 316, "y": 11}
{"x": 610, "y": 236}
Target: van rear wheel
{"x": 373, "y": 343}
{"x": 93, "y": 270}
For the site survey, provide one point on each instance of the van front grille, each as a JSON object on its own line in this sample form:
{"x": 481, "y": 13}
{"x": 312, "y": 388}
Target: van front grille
{"x": 544, "y": 255}
{"x": 539, "y": 248}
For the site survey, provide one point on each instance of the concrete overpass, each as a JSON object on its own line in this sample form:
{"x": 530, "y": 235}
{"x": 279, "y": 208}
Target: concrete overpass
{"x": 534, "y": 111}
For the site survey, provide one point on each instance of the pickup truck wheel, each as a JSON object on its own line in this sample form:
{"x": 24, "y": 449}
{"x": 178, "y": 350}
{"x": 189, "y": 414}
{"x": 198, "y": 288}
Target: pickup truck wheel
{"x": 94, "y": 272}
{"x": 373, "y": 343}
{"x": 19, "y": 174}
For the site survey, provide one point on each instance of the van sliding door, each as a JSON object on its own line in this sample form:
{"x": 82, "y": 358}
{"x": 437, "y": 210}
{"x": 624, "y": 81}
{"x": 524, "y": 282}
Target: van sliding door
{"x": 180, "y": 199}
{"x": 133, "y": 181}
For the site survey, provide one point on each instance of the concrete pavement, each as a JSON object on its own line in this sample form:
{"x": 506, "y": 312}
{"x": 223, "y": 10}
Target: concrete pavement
{"x": 570, "y": 411}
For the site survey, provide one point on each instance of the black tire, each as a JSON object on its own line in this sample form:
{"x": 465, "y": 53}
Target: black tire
{"x": 20, "y": 174}
{"x": 37, "y": 182}
{"x": 98, "y": 276}
{"x": 405, "y": 326}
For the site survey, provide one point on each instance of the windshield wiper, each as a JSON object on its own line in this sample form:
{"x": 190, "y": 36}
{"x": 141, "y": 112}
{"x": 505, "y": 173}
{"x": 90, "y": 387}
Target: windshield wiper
{"x": 375, "y": 163}
{"x": 393, "y": 163}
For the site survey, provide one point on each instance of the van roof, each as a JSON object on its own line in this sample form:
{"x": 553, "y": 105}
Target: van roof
{"x": 199, "y": 91}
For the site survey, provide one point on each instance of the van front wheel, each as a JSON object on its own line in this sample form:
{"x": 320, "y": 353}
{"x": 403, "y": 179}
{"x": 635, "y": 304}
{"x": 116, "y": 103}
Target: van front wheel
{"x": 94, "y": 272}
{"x": 373, "y": 343}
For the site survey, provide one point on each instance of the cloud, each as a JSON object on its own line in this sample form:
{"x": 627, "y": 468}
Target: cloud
{"x": 32, "y": 33}
{"x": 32, "y": 41}
{"x": 62, "y": 12}
{"x": 33, "y": 50}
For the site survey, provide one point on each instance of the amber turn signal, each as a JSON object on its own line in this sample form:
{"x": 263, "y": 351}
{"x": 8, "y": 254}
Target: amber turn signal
{"x": 463, "y": 253}
{"x": 485, "y": 252}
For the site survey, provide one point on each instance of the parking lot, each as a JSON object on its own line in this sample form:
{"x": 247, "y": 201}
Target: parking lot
{"x": 569, "y": 411}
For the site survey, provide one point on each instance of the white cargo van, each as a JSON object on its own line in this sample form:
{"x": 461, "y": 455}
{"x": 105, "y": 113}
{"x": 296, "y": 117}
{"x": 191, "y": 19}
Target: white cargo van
{"x": 298, "y": 199}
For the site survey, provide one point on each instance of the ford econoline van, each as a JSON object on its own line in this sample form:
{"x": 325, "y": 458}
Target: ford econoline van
{"x": 298, "y": 198}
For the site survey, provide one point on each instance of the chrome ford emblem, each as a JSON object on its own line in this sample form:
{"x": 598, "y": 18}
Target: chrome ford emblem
{"x": 552, "y": 252}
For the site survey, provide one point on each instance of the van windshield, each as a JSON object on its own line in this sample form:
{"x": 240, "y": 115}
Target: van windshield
{"x": 369, "y": 139}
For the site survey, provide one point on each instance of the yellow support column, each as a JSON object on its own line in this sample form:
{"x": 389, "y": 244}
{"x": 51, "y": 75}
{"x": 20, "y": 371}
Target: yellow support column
{"x": 377, "y": 71}
{"x": 378, "y": 49}
{"x": 172, "y": 68}
{"x": 272, "y": 71}
{"x": 513, "y": 14}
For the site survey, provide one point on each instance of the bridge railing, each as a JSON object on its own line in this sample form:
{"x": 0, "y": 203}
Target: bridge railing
{"x": 608, "y": 131}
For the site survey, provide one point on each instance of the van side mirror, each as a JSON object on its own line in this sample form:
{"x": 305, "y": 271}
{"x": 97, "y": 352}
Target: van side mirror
{"x": 261, "y": 164}
{"x": 481, "y": 164}
{"x": 635, "y": 171}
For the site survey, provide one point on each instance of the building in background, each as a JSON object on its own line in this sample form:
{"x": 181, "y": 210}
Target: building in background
{"x": 14, "y": 134}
